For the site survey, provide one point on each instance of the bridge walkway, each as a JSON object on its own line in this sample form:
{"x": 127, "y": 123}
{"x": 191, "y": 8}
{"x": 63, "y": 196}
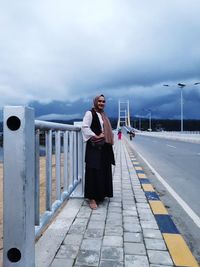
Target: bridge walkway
{"x": 132, "y": 229}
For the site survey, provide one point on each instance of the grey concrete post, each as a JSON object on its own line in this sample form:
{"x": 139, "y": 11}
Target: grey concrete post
{"x": 79, "y": 165}
{"x": 19, "y": 151}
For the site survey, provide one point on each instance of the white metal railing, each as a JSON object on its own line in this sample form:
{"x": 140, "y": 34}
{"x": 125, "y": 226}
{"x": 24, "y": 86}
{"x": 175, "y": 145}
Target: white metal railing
{"x": 23, "y": 137}
{"x": 65, "y": 140}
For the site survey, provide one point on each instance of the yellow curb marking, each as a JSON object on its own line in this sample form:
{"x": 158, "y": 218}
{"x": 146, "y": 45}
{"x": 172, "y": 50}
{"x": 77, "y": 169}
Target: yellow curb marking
{"x": 148, "y": 187}
{"x": 141, "y": 175}
{"x": 177, "y": 246}
{"x": 157, "y": 207}
{"x": 138, "y": 168}
{"x": 179, "y": 250}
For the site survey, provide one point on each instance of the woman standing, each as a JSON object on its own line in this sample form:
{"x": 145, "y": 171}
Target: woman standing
{"x": 97, "y": 132}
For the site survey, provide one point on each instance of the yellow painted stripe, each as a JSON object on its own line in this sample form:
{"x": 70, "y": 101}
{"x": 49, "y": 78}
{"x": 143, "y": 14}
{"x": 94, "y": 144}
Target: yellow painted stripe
{"x": 157, "y": 207}
{"x": 135, "y": 162}
{"x": 179, "y": 250}
{"x": 148, "y": 187}
{"x": 141, "y": 175}
{"x": 138, "y": 168}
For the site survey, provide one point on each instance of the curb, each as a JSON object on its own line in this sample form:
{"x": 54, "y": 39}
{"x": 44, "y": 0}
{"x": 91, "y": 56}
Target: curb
{"x": 177, "y": 247}
{"x": 175, "y": 138}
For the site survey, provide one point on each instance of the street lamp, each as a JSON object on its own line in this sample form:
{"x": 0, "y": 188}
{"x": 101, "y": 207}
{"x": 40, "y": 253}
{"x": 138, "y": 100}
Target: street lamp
{"x": 140, "y": 123}
{"x": 150, "y": 120}
{"x": 181, "y": 86}
{"x": 139, "y": 119}
{"x": 149, "y": 110}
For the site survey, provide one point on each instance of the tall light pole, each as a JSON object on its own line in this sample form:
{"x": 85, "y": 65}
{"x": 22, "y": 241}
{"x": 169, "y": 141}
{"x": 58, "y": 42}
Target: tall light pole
{"x": 140, "y": 123}
{"x": 149, "y": 120}
{"x": 149, "y": 110}
{"x": 181, "y": 85}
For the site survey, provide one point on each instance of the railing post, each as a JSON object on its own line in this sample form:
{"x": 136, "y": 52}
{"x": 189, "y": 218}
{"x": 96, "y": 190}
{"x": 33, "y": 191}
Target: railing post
{"x": 66, "y": 159}
{"x": 79, "y": 162}
{"x": 19, "y": 160}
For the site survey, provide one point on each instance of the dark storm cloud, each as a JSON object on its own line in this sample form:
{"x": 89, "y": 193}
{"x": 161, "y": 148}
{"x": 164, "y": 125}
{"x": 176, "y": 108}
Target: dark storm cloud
{"x": 73, "y": 50}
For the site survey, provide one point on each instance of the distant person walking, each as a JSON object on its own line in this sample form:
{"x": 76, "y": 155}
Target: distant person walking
{"x": 131, "y": 134}
{"x": 99, "y": 156}
{"x": 119, "y": 134}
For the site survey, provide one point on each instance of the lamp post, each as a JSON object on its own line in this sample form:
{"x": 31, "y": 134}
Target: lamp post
{"x": 139, "y": 121}
{"x": 150, "y": 120}
{"x": 181, "y": 85}
{"x": 149, "y": 110}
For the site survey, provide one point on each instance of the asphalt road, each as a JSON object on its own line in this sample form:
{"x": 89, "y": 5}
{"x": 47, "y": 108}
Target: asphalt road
{"x": 178, "y": 163}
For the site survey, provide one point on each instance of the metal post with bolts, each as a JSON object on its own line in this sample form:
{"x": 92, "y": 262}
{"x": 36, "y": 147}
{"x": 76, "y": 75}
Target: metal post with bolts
{"x": 19, "y": 160}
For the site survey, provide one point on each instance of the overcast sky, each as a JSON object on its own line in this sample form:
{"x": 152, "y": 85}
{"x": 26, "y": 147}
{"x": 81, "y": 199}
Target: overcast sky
{"x": 70, "y": 50}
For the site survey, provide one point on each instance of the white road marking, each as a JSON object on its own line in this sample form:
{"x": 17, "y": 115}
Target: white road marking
{"x": 182, "y": 203}
{"x": 171, "y": 146}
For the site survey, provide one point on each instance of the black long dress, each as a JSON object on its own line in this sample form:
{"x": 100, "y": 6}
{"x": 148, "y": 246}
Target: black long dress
{"x": 98, "y": 171}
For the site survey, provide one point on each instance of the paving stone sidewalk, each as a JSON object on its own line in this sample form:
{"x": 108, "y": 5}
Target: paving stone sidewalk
{"x": 121, "y": 232}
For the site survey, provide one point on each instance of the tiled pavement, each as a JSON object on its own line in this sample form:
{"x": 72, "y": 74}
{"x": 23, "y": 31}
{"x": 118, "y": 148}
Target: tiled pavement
{"x": 123, "y": 230}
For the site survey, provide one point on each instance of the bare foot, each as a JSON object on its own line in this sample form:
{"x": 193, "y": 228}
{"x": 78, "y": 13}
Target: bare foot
{"x": 92, "y": 204}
